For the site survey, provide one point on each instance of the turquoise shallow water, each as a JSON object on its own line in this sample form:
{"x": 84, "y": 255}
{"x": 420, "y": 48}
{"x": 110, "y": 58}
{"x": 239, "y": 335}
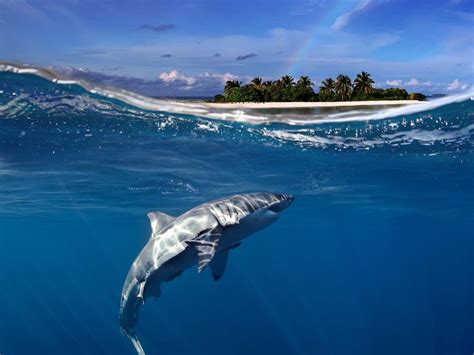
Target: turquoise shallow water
{"x": 375, "y": 256}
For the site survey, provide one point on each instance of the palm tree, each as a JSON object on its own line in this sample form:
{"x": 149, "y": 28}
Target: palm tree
{"x": 257, "y": 83}
{"x": 229, "y": 91}
{"x": 230, "y": 84}
{"x": 343, "y": 87}
{"x": 267, "y": 89}
{"x": 363, "y": 83}
{"x": 327, "y": 89}
{"x": 277, "y": 83}
{"x": 305, "y": 82}
{"x": 287, "y": 80}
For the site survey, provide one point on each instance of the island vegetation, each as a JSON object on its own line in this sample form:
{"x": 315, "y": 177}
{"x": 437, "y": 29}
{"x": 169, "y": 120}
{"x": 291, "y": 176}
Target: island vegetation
{"x": 286, "y": 89}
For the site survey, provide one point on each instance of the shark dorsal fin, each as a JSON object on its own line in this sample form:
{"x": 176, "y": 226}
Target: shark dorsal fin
{"x": 158, "y": 220}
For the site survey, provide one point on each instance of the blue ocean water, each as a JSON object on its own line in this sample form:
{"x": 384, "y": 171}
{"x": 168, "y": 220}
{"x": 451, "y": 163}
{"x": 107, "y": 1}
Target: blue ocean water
{"x": 375, "y": 256}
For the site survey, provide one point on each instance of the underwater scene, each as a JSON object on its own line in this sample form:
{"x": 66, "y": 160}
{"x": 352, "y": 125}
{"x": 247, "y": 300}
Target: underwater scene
{"x": 372, "y": 252}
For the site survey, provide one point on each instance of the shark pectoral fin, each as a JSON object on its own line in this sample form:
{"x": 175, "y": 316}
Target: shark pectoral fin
{"x": 218, "y": 264}
{"x": 158, "y": 220}
{"x": 206, "y": 245}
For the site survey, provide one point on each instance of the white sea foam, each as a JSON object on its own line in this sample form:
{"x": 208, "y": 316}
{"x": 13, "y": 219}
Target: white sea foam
{"x": 27, "y": 71}
{"x": 431, "y": 136}
{"x": 310, "y": 137}
{"x": 67, "y": 82}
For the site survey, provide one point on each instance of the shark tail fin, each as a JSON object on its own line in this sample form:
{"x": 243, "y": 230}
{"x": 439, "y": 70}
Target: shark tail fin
{"x": 138, "y": 346}
{"x": 136, "y": 343}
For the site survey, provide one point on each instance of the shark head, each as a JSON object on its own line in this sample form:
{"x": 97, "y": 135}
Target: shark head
{"x": 254, "y": 212}
{"x": 284, "y": 201}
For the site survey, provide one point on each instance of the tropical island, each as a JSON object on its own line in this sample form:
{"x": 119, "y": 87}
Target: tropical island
{"x": 286, "y": 90}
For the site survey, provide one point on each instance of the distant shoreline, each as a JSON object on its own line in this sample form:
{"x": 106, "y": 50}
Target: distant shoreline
{"x": 290, "y": 105}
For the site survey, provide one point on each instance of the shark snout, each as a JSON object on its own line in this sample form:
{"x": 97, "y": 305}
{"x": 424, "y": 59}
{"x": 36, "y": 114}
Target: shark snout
{"x": 285, "y": 201}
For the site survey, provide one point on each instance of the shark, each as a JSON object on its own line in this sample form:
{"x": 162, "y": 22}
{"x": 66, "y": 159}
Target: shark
{"x": 202, "y": 236}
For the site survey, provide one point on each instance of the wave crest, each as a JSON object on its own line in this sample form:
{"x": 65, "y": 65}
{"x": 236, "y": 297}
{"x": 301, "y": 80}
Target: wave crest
{"x": 76, "y": 108}
{"x": 241, "y": 115}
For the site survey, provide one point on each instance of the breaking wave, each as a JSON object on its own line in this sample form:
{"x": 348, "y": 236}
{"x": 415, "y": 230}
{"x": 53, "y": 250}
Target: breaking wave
{"x": 429, "y": 127}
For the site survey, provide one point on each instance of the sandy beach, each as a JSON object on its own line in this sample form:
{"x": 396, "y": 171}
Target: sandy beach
{"x": 290, "y": 105}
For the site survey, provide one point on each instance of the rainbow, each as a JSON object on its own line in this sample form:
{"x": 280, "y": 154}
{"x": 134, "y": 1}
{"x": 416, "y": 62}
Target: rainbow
{"x": 322, "y": 25}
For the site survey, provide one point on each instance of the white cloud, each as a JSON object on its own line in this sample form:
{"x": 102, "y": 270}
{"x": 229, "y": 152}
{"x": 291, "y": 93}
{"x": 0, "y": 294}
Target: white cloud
{"x": 182, "y": 81}
{"x": 344, "y": 19}
{"x": 412, "y": 82}
{"x": 457, "y": 85}
{"x": 174, "y": 75}
{"x": 221, "y": 77}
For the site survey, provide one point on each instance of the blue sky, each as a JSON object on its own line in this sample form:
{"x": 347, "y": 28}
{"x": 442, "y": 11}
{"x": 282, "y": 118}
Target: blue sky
{"x": 190, "y": 47}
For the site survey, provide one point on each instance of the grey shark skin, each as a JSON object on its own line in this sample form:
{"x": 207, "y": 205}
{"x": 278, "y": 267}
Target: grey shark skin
{"x": 201, "y": 236}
